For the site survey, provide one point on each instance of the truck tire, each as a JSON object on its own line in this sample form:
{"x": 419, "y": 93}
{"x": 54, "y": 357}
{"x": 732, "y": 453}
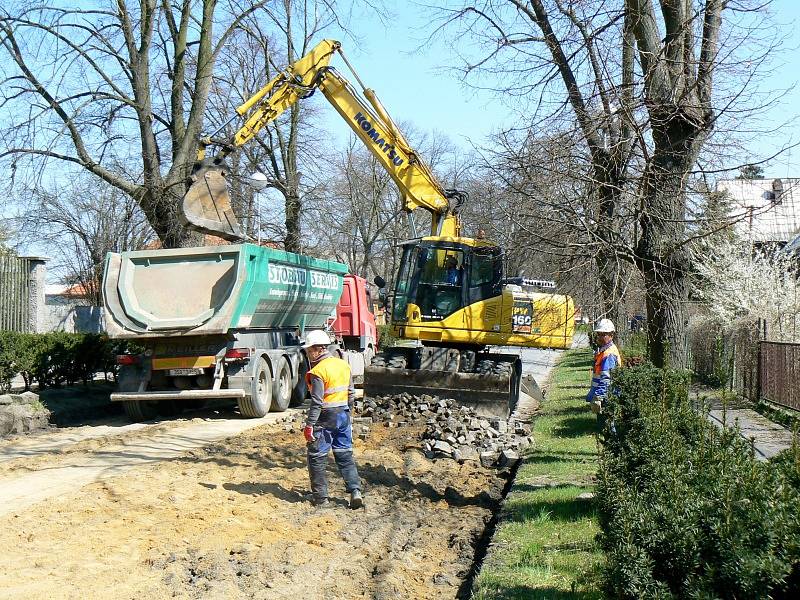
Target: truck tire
{"x": 258, "y": 402}
{"x": 300, "y": 390}
{"x": 281, "y": 386}
{"x": 140, "y": 410}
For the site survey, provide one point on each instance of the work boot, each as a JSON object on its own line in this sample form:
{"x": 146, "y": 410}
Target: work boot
{"x": 321, "y": 503}
{"x": 356, "y": 500}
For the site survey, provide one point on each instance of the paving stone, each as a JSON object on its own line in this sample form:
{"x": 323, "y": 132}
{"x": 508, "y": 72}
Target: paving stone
{"x": 466, "y": 436}
{"x": 508, "y": 458}
{"x": 488, "y": 459}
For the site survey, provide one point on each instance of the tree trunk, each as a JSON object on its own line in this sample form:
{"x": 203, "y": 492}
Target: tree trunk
{"x": 667, "y": 291}
{"x": 608, "y": 178}
{"x": 610, "y": 273}
{"x": 161, "y": 209}
{"x": 661, "y": 256}
{"x": 293, "y": 206}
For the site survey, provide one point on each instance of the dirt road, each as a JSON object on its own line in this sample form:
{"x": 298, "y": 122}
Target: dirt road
{"x": 229, "y": 518}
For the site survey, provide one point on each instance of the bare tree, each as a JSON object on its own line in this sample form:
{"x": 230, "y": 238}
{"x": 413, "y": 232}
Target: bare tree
{"x": 119, "y": 83}
{"x": 81, "y": 222}
{"x": 588, "y": 134}
{"x": 358, "y": 216}
{"x": 638, "y": 83}
{"x": 288, "y": 149}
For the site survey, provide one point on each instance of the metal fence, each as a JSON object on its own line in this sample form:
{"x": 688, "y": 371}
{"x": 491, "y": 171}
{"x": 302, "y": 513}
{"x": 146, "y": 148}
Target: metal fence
{"x": 14, "y": 294}
{"x": 729, "y": 357}
{"x": 779, "y": 373}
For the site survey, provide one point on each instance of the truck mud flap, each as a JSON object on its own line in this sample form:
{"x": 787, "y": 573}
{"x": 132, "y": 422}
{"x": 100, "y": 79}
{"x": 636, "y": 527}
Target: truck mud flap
{"x": 489, "y": 395}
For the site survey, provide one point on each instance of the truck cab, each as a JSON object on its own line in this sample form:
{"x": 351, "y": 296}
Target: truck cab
{"x": 353, "y": 325}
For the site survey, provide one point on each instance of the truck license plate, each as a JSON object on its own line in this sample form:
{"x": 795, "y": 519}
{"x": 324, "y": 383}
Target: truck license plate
{"x": 176, "y": 372}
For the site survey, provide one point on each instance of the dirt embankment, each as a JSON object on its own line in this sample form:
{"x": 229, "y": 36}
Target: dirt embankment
{"x": 232, "y": 521}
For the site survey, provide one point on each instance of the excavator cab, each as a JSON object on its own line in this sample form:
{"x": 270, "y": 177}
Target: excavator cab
{"x": 442, "y": 277}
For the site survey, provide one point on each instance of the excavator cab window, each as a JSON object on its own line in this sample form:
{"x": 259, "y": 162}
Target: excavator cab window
{"x": 433, "y": 279}
{"x": 485, "y": 273}
{"x": 439, "y": 291}
{"x": 409, "y": 271}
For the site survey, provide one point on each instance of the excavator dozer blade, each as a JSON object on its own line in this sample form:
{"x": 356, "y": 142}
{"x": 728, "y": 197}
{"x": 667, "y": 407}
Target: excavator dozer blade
{"x": 489, "y": 395}
{"x": 206, "y": 206}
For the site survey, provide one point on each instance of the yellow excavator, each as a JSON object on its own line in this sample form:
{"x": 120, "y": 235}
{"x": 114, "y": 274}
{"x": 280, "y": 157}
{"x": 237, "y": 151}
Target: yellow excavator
{"x": 452, "y": 307}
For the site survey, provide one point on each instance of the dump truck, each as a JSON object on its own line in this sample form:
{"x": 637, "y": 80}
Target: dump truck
{"x": 453, "y": 307}
{"x": 226, "y": 322}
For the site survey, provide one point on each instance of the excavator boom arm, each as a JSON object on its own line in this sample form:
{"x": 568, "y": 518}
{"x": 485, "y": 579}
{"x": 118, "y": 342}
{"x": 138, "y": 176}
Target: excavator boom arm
{"x": 206, "y": 205}
{"x": 418, "y": 186}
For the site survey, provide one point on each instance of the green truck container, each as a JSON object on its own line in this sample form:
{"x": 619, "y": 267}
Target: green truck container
{"x": 213, "y": 290}
{"x": 216, "y": 322}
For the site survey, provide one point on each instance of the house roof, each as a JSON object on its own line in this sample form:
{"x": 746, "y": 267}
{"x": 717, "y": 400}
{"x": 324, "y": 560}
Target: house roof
{"x": 68, "y": 291}
{"x": 764, "y": 210}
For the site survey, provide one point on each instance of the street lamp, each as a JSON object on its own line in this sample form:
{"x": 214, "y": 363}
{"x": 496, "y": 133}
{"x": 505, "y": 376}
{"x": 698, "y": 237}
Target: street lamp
{"x": 259, "y": 182}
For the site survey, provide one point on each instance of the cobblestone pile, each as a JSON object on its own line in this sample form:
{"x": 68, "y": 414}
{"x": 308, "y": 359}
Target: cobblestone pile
{"x": 451, "y": 430}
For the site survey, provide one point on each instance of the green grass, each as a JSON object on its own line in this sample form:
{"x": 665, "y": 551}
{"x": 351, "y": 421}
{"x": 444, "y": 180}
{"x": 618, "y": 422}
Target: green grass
{"x": 544, "y": 546}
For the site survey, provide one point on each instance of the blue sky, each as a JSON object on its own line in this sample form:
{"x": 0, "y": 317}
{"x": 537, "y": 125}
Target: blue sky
{"x": 417, "y": 88}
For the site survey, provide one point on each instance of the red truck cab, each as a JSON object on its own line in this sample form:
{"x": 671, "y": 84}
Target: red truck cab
{"x": 354, "y": 325}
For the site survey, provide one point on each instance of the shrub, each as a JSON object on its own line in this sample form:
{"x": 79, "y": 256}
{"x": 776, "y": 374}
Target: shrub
{"x": 385, "y": 337}
{"x": 634, "y": 351}
{"x": 685, "y": 509}
{"x": 7, "y": 363}
{"x": 57, "y": 358}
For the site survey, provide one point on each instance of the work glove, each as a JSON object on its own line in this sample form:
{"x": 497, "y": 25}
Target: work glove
{"x": 308, "y": 433}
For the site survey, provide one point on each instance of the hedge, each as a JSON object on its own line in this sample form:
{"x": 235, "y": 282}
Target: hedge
{"x": 685, "y": 509}
{"x": 55, "y": 359}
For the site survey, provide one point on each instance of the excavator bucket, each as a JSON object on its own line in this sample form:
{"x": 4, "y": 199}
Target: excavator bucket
{"x": 206, "y": 206}
{"x": 489, "y": 395}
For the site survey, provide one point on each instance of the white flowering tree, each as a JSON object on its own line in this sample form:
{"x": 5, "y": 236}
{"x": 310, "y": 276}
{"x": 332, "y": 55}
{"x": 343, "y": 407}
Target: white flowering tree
{"x": 738, "y": 284}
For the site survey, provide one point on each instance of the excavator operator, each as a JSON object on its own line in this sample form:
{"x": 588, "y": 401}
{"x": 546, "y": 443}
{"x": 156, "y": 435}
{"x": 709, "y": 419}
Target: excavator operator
{"x": 452, "y": 274}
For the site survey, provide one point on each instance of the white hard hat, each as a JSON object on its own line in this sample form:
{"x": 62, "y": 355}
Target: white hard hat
{"x": 604, "y": 326}
{"x": 316, "y": 338}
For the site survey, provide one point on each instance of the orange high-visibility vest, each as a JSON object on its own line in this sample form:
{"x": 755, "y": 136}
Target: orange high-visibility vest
{"x": 600, "y": 358}
{"x": 335, "y": 375}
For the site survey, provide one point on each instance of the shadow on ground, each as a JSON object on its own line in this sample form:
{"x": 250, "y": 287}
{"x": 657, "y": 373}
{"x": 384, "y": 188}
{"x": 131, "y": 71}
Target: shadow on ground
{"x": 80, "y": 404}
{"x": 524, "y": 510}
{"x": 544, "y": 593}
{"x": 572, "y": 427}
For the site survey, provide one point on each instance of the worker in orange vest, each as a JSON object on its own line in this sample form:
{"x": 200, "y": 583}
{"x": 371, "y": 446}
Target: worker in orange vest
{"x": 606, "y": 358}
{"x": 328, "y": 424}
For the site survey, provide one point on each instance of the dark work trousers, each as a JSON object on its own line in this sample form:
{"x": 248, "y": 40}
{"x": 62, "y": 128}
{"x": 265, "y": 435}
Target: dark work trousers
{"x": 332, "y": 431}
